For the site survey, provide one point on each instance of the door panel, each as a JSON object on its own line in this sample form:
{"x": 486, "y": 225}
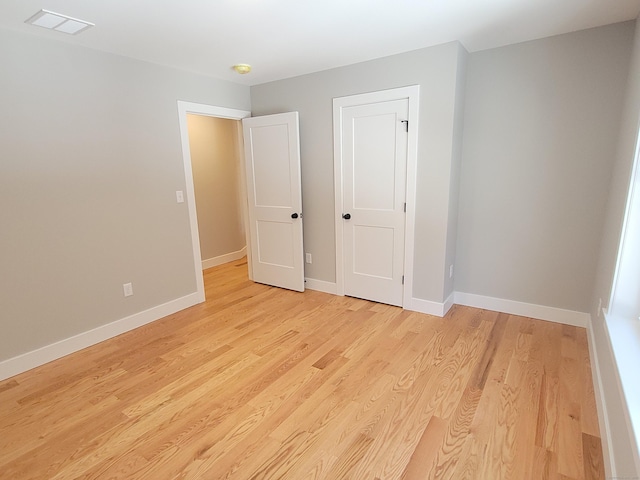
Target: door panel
{"x": 373, "y": 173}
{"x": 275, "y": 243}
{"x": 272, "y": 155}
{"x": 272, "y": 178}
{"x": 374, "y": 160}
{"x": 367, "y": 260}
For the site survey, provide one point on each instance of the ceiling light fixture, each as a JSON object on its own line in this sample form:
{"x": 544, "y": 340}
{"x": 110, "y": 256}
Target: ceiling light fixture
{"x": 59, "y": 22}
{"x": 242, "y": 68}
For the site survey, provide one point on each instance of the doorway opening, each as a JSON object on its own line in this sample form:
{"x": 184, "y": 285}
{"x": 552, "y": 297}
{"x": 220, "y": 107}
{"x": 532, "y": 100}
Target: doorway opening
{"x": 215, "y": 160}
{"x": 191, "y": 113}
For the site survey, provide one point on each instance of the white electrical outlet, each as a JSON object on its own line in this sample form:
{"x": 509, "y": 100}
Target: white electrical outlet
{"x": 127, "y": 288}
{"x": 308, "y": 258}
{"x": 179, "y": 196}
{"x": 450, "y": 271}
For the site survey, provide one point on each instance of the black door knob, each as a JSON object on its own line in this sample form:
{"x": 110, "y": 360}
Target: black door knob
{"x": 346, "y": 216}
{"x": 294, "y": 215}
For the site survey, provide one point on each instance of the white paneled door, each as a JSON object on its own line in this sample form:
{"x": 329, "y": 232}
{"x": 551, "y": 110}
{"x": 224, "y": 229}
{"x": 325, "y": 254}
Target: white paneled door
{"x": 272, "y": 156}
{"x": 374, "y": 172}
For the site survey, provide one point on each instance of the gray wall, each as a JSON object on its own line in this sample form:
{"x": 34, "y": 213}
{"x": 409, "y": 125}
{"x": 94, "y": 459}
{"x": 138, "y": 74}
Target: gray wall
{"x": 90, "y": 159}
{"x": 540, "y": 134}
{"x": 624, "y": 448}
{"x": 437, "y": 71}
{"x": 215, "y": 160}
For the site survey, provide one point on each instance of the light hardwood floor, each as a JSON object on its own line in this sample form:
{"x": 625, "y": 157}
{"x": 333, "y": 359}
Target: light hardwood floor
{"x": 260, "y": 383}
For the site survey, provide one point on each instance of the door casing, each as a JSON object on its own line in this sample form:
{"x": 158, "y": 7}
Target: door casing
{"x": 412, "y": 93}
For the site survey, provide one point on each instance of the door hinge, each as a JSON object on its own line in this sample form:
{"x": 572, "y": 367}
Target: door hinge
{"x": 403, "y": 279}
{"x": 405, "y": 207}
{"x": 406, "y": 125}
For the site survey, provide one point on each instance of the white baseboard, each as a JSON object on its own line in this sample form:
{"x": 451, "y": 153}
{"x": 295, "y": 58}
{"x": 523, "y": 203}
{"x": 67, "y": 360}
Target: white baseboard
{"x": 226, "y": 258}
{"x": 601, "y": 405}
{"x": 321, "y": 286}
{"x": 448, "y": 303}
{"x": 512, "y": 307}
{"x": 541, "y": 312}
{"x": 35, "y": 358}
{"x": 429, "y": 307}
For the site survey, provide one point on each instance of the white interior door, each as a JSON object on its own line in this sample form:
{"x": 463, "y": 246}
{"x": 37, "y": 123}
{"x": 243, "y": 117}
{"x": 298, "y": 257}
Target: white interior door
{"x": 272, "y": 156}
{"x": 374, "y": 170}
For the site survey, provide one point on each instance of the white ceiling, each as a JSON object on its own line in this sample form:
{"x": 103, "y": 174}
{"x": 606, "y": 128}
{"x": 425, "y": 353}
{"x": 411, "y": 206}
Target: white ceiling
{"x": 285, "y": 38}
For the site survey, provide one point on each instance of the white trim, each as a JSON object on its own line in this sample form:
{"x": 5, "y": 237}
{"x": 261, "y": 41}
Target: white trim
{"x": 338, "y": 196}
{"x": 427, "y": 306}
{"x": 221, "y": 259}
{"x": 413, "y": 94}
{"x": 629, "y": 204}
{"x": 601, "y": 406}
{"x": 448, "y": 303}
{"x": 622, "y": 336}
{"x": 213, "y": 111}
{"x": 320, "y": 285}
{"x": 244, "y": 197}
{"x": 541, "y": 312}
{"x": 48, "y": 353}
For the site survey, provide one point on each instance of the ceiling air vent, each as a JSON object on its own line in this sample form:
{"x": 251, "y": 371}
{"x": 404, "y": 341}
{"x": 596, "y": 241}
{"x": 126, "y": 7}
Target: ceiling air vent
{"x": 58, "y": 22}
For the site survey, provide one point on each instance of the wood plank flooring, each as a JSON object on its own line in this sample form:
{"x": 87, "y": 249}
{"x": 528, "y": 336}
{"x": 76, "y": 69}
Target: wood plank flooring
{"x": 263, "y": 383}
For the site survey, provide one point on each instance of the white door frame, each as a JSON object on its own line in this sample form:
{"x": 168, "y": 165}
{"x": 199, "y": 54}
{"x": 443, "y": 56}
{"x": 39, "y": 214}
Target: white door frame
{"x": 413, "y": 94}
{"x": 212, "y": 111}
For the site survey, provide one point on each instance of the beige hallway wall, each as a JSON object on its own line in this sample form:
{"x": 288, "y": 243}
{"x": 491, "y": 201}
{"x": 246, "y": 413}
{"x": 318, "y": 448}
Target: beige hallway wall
{"x": 215, "y": 160}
